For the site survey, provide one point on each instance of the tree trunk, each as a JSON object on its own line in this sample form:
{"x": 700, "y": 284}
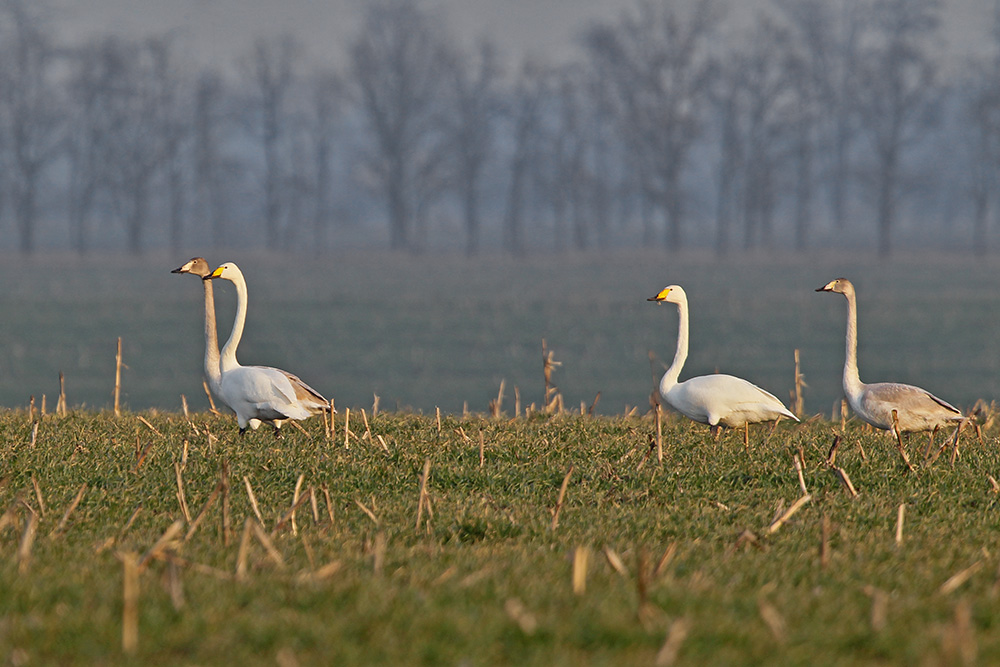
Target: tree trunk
{"x": 470, "y": 204}
{"x": 673, "y": 212}
{"x": 803, "y": 190}
{"x": 398, "y": 221}
{"x": 26, "y": 218}
{"x": 886, "y": 210}
{"x": 981, "y": 201}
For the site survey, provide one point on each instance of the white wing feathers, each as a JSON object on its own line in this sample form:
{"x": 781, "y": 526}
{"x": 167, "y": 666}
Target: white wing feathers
{"x": 269, "y": 394}
{"x": 725, "y": 399}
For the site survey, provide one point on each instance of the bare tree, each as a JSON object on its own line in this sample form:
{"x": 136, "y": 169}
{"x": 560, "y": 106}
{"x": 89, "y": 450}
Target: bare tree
{"x": 475, "y": 109}
{"x": 125, "y": 129}
{"x": 175, "y": 131}
{"x": 756, "y": 108}
{"x": 896, "y": 80}
{"x": 271, "y": 71}
{"x": 728, "y": 103}
{"x": 827, "y": 55}
{"x": 804, "y": 131}
{"x": 604, "y": 169}
{"x": 524, "y": 114}
{"x": 659, "y": 64}
{"x": 983, "y": 143}
{"x": 31, "y": 113}
{"x": 399, "y": 66}
{"x": 141, "y": 105}
{"x": 94, "y": 77}
{"x": 209, "y": 130}
{"x": 768, "y": 105}
{"x": 982, "y": 137}
{"x": 327, "y": 96}
{"x": 811, "y": 67}
{"x": 563, "y": 160}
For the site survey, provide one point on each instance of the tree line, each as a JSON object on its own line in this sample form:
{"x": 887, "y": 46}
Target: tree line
{"x": 816, "y": 122}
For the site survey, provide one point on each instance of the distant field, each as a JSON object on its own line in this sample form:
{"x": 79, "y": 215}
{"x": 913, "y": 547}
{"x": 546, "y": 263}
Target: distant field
{"x": 564, "y": 542}
{"x": 444, "y": 331}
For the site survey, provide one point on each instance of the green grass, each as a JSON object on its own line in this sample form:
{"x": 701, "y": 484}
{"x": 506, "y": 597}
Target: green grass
{"x": 487, "y": 580}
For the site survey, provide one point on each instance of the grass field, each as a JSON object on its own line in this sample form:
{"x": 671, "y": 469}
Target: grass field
{"x": 648, "y": 563}
{"x": 639, "y": 563}
{"x": 426, "y": 332}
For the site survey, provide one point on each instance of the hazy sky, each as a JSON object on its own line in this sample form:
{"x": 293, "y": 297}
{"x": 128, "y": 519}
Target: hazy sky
{"x": 220, "y": 30}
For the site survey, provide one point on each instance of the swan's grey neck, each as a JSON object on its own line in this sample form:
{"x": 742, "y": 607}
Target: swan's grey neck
{"x": 228, "y": 361}
{"x": 670, "y": 377}
{"x": 852, "y": 382}
{"x": 212, "y": 373}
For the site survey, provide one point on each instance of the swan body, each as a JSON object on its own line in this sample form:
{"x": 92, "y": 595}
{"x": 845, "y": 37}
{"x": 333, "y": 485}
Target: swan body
{"x": 198, "y": 266}
{"x": 259, "y": 393}
{"x": 916, "y": 409}
{"x": 718, "y": 399}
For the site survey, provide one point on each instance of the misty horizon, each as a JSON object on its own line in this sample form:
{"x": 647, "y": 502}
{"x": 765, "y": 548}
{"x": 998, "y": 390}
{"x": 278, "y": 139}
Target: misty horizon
{"x": 771, "y": 130}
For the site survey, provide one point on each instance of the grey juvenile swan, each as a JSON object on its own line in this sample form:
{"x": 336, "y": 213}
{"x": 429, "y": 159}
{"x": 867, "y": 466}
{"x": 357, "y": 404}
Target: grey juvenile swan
{"x": 198, "y": 266}
{"x": 915, "y": 409}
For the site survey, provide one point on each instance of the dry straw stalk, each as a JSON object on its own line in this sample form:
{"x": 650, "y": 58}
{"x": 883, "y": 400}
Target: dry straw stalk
{"x": 69, "y": 511}
{"x": 118, "y": 377}
{"x": 424, "y": 499}
{"x": 562, "y": 497}
{"x": 130, "y": 603}
{"x": 780, "y": 521}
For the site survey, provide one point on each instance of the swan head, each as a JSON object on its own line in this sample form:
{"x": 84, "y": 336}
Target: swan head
{"x": 670, "y": 294}
{"x": 196, "y": 266}
{"x": 839, "y": 285}
{"x": 227, "y": 271}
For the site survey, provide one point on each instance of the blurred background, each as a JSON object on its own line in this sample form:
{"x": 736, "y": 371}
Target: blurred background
{"x": 531, "y": 127}
{"x": 419, "y": 192}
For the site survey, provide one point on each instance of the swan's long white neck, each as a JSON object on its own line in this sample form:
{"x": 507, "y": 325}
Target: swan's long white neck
{"x": 212, "y": 372}
{"x": 852, "y": 382}
{"x": 228, "y": 360}
{"x": 670, "y": 377}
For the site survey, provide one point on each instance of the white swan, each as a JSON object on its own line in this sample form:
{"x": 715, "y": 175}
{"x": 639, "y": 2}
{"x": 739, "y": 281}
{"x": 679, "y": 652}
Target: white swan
{"x": 259, "y": 393}
{"x": 716, "y": 400}
{"x": 198, "y": 266}
{"x": 916, "y": 409}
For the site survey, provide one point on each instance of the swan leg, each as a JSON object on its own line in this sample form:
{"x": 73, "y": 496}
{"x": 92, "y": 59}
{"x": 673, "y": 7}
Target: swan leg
{"x": 243, "y": 431}
{"x": 899, "y": 441}
{"x": 715, "y": 430}
{"x": 954, "y": 449}
{"x": 771, "y": 429}
{"x": 951, "y": 440}
{"x": 902, "y": 451}
{"x": 277, "y": 431}
{"x": 930, "y": 442}
{"x": 746, "y": 438}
